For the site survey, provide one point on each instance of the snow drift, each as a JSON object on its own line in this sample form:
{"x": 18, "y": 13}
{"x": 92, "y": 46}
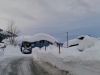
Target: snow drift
{"x": 87, "y": 42}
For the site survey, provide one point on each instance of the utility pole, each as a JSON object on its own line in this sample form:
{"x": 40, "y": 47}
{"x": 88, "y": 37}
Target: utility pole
{"x": 67, "y": 39}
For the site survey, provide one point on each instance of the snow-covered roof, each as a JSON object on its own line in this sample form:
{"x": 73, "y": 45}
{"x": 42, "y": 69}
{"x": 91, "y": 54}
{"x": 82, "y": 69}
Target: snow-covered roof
{"x": 74, "y": 41}
{"x": 71, "y": 42}
{"x": 42, "y": 36}
{"x": 82, "y": 36}
{"x": 87, "y": 42}
{"x": 37, "y": 37}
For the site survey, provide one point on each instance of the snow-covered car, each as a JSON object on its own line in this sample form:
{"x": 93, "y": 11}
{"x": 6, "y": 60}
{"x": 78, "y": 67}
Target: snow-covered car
{"x": 2, "y": 46}
{"x": 74, "y": 42}
{"x": 26, "y": 48}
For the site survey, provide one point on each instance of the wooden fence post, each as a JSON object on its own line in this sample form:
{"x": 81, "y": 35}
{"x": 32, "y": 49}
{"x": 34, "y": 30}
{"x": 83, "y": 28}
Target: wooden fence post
{"x": 45, "y": 48}
{"x": 59, "y": 49}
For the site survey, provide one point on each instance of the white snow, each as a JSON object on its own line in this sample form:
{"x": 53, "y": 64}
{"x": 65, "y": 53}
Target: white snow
{"x": 20, "y": 39}
{"x": 6, "y": 41}
{"x": 2, "y": 44}
{"x": 92, "y": 53}
{"x": 37, "y": 37}
{"x": 70, "y": 59}
{"x": 3, "y": 32}
{"x": 14, "y": 51}
{"x": 1, "y": 52}
{"x": 82, "y": 36}
{"x": 42, "y": 36}
{"x": 87, "y": 43}
{"x": 73, "y": 41}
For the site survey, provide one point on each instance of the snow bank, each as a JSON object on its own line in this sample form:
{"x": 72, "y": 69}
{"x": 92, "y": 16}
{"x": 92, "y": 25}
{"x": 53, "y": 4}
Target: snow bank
{"x": 14, "y": 51}
{"x": 6, "y": 41}
{"x": 70, "y": 59}
{"x": 92, "y": 53}
{"x": 87, "y": 42}
{"x": 1, "y": 52}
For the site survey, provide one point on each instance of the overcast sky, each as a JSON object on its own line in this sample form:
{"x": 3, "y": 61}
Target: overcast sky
{"x": 54, "y": 17}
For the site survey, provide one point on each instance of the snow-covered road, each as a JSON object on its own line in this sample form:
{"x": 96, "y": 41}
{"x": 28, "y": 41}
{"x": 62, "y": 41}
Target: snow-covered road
{"x": 69, "y": 62}
{"x": 20, "y": 66}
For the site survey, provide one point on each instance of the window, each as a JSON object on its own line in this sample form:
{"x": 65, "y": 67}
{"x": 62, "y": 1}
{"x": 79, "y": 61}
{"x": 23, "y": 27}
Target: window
{"x": 81, "y": 38}
{"x": 43, "y": 41}
{"x": 32, "y": 45}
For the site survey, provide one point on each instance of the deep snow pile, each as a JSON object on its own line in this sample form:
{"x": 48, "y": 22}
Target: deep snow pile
{"x": 14, "y": 51}
{"x": 70, "y": 59}
{"x": 92, "y": 53}
{"x": 1, "y": 52}
{"x": 79, "y": 63}
{"x": 74, "y": 41}
{"x": 87, "y": 42}
{"x": 2, "y": 55}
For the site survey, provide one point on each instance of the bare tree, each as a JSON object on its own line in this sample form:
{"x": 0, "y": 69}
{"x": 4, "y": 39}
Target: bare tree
{"x": 13, "y": 31}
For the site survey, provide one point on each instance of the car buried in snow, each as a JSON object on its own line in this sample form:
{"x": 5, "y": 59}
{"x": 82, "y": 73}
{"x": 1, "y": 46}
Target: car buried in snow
{"x": 26, "y": 47}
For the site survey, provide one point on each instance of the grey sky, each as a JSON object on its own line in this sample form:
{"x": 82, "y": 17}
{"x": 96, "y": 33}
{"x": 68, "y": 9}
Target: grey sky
{"x": 52, "y": 17}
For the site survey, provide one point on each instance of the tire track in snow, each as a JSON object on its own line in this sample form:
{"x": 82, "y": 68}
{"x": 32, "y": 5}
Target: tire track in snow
{"x": 20, "y": 66}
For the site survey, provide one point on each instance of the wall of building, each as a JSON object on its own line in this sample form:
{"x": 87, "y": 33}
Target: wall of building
{"x": 40, "y": 43}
